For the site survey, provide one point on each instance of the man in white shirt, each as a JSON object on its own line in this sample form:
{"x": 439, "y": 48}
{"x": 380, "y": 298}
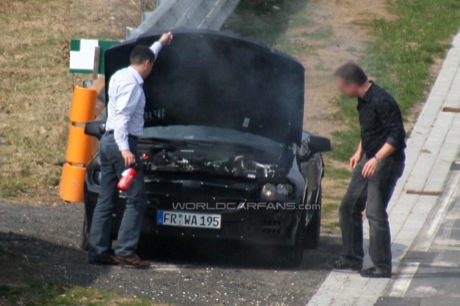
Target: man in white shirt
{"x": 118, "y": 151}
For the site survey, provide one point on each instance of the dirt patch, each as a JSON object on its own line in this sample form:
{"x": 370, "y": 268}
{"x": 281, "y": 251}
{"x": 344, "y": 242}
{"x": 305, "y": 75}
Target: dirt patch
{"x": 337, "y": 35}
{"x": 106, "y": 18}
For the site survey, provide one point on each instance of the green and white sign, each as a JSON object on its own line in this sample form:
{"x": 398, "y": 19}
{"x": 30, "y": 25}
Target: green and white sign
{"x": 82, "y": 54}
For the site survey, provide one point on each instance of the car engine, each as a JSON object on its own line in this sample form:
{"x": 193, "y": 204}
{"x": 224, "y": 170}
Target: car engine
{"x": 218, "y": 163}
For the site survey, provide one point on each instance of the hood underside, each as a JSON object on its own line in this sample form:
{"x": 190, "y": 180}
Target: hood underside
{"x": 208, "y": 78}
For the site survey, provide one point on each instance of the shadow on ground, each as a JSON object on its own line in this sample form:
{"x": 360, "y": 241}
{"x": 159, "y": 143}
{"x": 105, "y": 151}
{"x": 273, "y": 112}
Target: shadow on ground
{"x": 23, "y": 258}
{"x": 236, "y": 256}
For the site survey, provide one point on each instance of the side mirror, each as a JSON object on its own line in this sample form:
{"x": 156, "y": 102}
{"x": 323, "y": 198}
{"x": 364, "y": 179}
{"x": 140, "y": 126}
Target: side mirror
{"x": 318, "y": 144}
{"x": 95, "y": 128}
{"x": 312, "y": 144}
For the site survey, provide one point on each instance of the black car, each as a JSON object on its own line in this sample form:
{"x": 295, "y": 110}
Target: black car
{"x": 224, "y": 153}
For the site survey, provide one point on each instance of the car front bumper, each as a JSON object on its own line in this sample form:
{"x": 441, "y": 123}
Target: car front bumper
{"x": 251, "y": 225}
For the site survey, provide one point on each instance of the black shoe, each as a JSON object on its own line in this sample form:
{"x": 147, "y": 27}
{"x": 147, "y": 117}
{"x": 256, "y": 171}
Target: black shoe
{"x": 345, "y": 264}
{"x": 374, "y": 272}
{"x": 133, "y": 261}
{"x": 106, "y": 260}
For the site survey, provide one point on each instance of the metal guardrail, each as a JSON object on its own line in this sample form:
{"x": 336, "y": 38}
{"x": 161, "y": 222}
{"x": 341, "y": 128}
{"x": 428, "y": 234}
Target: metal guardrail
{"x": 195, "y": 14}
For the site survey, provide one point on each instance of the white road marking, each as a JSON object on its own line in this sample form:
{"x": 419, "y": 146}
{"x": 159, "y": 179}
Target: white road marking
{"x": 426, "y": 290}
{"x": 446, "y": 201}
{"x": 404, "y": 279}
{"x": 446, "y": 242}
{"x": 166, "y": 268}
{"x": 444, "y": 264}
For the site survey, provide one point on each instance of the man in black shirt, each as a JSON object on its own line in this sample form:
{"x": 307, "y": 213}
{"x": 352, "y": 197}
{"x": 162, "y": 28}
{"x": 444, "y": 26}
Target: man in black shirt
{"x": 377, "y": 165}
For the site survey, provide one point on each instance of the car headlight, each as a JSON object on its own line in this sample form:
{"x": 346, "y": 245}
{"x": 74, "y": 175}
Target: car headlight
{"x": 96, "y": 177}
{"x": 279, "y": 192}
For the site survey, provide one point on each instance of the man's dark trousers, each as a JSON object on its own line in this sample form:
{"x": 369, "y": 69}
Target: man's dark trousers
{"x": 372, "y": 194}
{"x": 112, "y": 166}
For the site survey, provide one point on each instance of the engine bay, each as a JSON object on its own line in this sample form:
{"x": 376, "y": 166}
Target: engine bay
{"x": 216, "y": 162}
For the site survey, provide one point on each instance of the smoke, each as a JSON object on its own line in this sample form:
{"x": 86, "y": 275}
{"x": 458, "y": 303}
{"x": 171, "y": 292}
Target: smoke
{"x": 224, "y": 81}
{"x": 221, "y": 80}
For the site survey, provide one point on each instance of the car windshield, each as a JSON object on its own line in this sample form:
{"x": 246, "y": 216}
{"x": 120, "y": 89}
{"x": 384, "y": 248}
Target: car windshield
{"x": 211, "y": 134}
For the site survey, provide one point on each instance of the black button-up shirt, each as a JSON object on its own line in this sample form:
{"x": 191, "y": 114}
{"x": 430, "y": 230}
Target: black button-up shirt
{"x": 381, "y": 122}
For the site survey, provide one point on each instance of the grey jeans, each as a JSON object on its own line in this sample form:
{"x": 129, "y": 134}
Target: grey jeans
{"x": 372, "y": 194}
{"x": 112, "y": 165}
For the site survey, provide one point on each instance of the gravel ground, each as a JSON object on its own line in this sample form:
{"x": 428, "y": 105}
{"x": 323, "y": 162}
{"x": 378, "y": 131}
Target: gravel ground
{"x": 43, "y": 242}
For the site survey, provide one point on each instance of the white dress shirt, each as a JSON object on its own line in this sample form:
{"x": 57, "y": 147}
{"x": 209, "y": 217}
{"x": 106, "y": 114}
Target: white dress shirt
{"x": 125, "y": 110}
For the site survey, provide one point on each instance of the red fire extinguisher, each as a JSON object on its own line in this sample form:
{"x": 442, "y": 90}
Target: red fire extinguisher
{"x": 127, "y": 179}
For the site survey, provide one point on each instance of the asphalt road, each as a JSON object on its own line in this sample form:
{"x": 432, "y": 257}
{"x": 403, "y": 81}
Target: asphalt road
{"x": 43, "y": 242}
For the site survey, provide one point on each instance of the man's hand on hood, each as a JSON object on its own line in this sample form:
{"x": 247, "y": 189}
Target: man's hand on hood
{"x": 166, "y": 38}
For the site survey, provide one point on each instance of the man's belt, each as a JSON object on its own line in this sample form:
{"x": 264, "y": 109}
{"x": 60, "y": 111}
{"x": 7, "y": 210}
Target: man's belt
{"x": 130, "y": 136}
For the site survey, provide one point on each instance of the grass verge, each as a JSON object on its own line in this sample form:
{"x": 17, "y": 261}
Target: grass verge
{"x": 400, "y": 58}
{"x": 36, "y": 86}
{"x": 41, "y": 293}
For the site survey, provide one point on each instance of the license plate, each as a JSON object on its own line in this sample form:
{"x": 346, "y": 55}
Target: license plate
{"x": 185, "y": 219}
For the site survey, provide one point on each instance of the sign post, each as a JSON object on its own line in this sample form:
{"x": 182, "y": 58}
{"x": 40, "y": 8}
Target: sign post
{"x": 84, "y": 56}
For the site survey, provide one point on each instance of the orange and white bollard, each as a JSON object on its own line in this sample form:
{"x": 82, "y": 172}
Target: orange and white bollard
{"x": 81, "y": 147}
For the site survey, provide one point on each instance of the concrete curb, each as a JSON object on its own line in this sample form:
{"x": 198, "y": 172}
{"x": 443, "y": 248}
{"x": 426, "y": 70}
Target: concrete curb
{"x": 432, "y": 147}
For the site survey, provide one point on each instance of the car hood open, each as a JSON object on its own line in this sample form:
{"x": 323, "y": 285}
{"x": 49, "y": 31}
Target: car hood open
{"x": 222, "y": 80}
